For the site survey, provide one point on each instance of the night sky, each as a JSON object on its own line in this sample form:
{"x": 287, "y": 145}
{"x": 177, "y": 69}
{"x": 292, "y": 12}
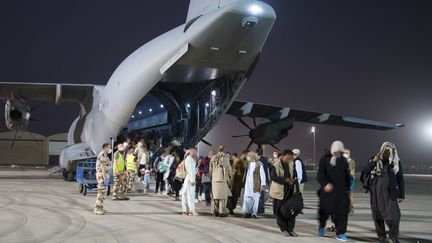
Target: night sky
{"x": 364, "y": 58}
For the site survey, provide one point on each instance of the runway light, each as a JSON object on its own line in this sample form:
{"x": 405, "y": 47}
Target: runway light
{"x": 161, "y": 106}
{"x": 213, "y": 93}
{"x": 151, "y": 110}
{"x": 207, "y": 104}
{"x": 255, "y": 9}
{"x": 140, "y": 112}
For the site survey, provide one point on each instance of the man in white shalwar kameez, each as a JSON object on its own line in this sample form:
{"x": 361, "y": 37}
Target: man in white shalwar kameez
{"x": 188, "y": 190}
{"x": 255, "y": 182}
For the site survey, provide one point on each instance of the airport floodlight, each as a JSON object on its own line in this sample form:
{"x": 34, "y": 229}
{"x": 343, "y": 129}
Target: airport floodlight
{"x": 255, "y": 9}
{"x": 207, "y": 104}
{"x": 213, "y": 93}
{"x": 133, "y": 116}
{"x": 161, "y": 106}
{"x": 188, "y": 105}
{"x": 140, "y": 112}
{"x": 313, "y": 130}
{"x": 151, "y": 110}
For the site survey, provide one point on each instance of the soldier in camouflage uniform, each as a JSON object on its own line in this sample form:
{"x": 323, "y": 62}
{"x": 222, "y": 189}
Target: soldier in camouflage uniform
{"x": 120, "y": 174}
{"x": 101, "y": 175}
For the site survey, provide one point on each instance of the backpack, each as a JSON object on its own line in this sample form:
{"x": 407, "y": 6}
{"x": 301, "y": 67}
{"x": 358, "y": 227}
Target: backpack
{"x": 181, "y": 171}
{"x": 162, "y": 167}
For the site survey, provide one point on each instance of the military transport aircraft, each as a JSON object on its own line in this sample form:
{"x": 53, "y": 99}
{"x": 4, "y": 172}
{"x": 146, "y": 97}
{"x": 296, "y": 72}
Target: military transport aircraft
{"x": 214, "y": 51}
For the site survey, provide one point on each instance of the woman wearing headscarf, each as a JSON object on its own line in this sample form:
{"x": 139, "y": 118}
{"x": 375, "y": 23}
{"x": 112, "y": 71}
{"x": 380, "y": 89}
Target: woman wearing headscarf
{"x": 333, "y": 176}
{"x": 387, "y": 188}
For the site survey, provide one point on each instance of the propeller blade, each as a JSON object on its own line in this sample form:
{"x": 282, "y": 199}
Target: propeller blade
{"x": 241, "y": 136}
{"x": 254, "y": 122}
{"x": 274, "y": 146}
{"x": 244, "y": 123}
{"x": 205, "y": 142}
{"x": 250, "y": 144}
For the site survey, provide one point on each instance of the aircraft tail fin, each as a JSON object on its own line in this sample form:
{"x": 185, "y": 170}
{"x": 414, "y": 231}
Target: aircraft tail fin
{"x": 197, "y": 7}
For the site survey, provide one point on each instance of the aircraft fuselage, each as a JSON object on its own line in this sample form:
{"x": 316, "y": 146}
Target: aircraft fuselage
{"x": 219, "y": 42}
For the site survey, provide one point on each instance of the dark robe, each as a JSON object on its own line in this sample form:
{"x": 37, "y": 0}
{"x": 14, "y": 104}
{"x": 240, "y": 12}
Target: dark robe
{"x": 385, "y": 189}
{"x": 383, "y": 207}
{"x": 176, "y": 183}
{"x": 396, "y": 183}
{"x": 336, "y": 201}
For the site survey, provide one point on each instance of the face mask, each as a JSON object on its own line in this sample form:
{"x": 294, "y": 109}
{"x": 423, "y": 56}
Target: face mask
{"x": 275, "y": 155}
{"x": 346, "y": 156}
{"x": 110, "y": 151}
{"x": 248, "y": 158}
{"x": 121, "y": 149}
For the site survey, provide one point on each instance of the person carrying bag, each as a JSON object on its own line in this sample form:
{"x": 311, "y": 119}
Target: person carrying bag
{"x": 293, "y": 205}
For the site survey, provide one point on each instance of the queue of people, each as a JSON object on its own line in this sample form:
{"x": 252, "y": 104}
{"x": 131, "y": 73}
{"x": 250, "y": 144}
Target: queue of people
{"x": 222, "y": 181}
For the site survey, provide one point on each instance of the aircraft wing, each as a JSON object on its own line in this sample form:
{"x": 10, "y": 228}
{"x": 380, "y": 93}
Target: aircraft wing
{"x": 46, "y": 91}
{"x": 274, "y": 113}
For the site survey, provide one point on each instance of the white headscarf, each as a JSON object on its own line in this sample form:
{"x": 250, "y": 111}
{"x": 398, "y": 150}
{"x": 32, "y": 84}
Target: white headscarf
{"x": 337, "y": 148}
{"x": 393, "y": 159}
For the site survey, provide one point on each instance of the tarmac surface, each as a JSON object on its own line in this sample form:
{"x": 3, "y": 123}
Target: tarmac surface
{"x": 36, "y": 206}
